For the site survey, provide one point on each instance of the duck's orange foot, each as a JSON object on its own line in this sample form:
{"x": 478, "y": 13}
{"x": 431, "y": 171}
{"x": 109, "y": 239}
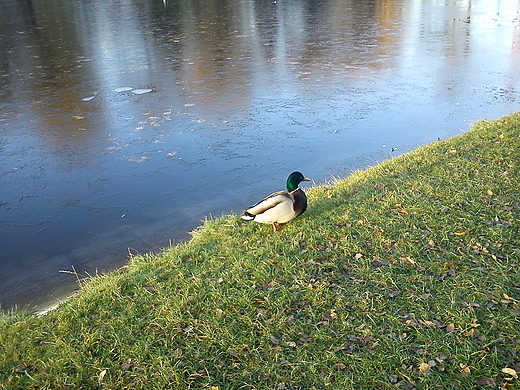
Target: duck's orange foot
{"x": 275, "y": 224}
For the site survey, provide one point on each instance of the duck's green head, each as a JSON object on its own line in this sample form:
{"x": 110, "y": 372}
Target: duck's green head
{"x": 294, "y": 179}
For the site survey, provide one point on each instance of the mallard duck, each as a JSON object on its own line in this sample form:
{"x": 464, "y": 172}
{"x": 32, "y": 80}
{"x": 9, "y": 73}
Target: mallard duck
{"x": 282, "y": 206}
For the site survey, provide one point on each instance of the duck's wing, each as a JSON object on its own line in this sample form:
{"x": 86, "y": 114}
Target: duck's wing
{"x": 270, "y": 202}
{"x": 300, "y": 201}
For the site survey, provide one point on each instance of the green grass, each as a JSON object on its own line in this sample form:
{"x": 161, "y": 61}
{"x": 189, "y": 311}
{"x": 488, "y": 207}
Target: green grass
{"x": 399, "y": 277}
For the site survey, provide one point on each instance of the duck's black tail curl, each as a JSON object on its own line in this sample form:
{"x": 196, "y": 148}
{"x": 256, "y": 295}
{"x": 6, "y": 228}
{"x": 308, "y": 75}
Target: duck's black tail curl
{"x": 247, "y": 216}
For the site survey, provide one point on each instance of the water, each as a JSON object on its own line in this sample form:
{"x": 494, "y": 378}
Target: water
{"x": 232, "y": 95}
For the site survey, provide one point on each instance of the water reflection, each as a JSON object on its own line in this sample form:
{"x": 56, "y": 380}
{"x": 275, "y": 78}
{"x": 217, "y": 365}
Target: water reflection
{"x": 242, "y": 93}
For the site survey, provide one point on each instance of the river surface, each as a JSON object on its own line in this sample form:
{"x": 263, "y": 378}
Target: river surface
{"x": 124, "y": 123}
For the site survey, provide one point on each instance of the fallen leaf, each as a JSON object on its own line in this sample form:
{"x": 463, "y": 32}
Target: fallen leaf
{"x": 489, "y": 193}
{"x": 305, "y": 339}
{"x": 233, "y": 353}
{"x": 407, "y": 260}
{"x": 272, "y": 284}
{"x": 424, "y": 368}
{"x": 464, "y": 369}
{"x": 188, "y": 329}
{"x": 510, "y": 371}
{"x": 409, "y": 319}
{"x": 330, "y": 316}
{"x": 101, "y": 375}
{"x": 430, "y": 323}
{"x": 393, "y": 294}
{"x": 22, "y": 369}
{"x": 438, "y": 324}
{"x": 485, "y": 381}
{"x": 339, "y": 366}
{"x": 274, "y": 340}
{"x": 377, "y": 262}
{"x": 358, "y": 328}
{"x": 343, "y": 347}
{"x": 127, "y": 364}
{"x": 286, "y": 362}
{"x": 450, "y": 327}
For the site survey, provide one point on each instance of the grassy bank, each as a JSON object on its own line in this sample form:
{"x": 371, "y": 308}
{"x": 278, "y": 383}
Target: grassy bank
{"x": 399, "y": 277}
